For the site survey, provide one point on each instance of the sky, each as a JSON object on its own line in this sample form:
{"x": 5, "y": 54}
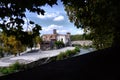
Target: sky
{"x": 55, "y": 18}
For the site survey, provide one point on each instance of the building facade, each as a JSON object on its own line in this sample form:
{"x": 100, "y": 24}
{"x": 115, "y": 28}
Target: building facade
{"x": 51, "y": 38}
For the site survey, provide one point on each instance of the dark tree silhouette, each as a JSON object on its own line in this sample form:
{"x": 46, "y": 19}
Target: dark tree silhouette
{"x": 12, "y": 17}
{"x": 101, "y": 17}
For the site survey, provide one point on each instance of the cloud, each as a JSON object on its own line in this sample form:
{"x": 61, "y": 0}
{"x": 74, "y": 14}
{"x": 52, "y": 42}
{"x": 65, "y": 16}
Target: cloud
{"x": 49, "y": 30}
{"x": 51, "y": 27}
{"x": 58, "y": 18}
{"x": 63, "y": 31}
{"x": 48, "y": 15}
{"x": 54, "y": 15}
{"x": 79, "y": 31}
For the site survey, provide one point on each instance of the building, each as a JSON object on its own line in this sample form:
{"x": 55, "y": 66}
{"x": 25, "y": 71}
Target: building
{"x": 49, "y": 39}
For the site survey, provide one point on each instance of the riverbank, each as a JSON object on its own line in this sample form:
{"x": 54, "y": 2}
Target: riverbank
{"x": 96, "y": 65}
{"x": 31, "y": 56}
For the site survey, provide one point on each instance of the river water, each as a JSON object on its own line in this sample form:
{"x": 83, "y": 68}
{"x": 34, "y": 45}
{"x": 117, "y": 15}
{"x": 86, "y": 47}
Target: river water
{"x": 85, "y": 51}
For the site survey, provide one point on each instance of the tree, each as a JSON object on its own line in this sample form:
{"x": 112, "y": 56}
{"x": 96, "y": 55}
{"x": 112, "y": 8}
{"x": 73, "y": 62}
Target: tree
{"x": 12, "y": 16}
{"x": 81, "y": 37}
{"x": 100, "y": 17}
{"x": 37, "y": 40}
{"x": 11, "y": 45}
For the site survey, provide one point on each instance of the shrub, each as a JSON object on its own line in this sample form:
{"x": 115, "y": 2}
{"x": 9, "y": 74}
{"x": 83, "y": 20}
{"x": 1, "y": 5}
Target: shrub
{"x": 77, "y": 49}
{"x": 61, "y": 56}
{"x": 59, "y": 44}
{"x": 4, "y": 70}
{"x": 73, "y": 52}
{"x": 16, "y": 66}
{"x": 52, "y": 59}
{"x": 12, "y": 68}
{"x": 68, "y": 53}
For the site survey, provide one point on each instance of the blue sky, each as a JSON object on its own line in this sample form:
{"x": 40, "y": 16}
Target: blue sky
{"x": 55, "y": 18}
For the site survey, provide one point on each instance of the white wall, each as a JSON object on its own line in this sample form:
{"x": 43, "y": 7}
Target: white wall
{"x": 60, "y": 37}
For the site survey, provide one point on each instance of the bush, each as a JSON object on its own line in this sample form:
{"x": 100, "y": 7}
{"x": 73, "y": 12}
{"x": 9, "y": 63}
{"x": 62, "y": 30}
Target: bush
{"x": 12, "y": 68}
{"x": 16, "y": 66}
{"x": 73, "y": 52}
{"x": 59, "y": 44}
{"x": 61, "y": 56}
{"x": 4, "y": 70}
{"x": 77, "y": 49}
{"x": 68, "y": 53}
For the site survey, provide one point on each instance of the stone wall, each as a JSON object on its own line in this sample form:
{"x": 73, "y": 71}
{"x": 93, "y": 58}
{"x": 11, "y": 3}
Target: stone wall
{"x": 82, "y": 42}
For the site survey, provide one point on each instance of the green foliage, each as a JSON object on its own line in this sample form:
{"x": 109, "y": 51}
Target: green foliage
{"x": 11, "y": 44}
{"x": 76, "y": 37}
{"x": 61, "y": 56}
{"x": 77, "y": 49}
{"x": 59, "y": 44}
{"x": 37, "y": 40}
{"x": 12, "y": 68}
{"x": 13, "y": 18}
{"x": 67, "y": 53}
{"x": 99, "y": 17}
{"x": 17, "y": 66}
{"x": 1, "y": 52}
{"x": 5, "y": 70}
{"x": 80, "y": 37}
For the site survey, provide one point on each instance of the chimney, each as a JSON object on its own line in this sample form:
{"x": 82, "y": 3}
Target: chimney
{"x": 54, "y": 31}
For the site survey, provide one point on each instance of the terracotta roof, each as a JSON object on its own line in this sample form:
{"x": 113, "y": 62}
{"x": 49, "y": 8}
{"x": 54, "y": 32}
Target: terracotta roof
{"x": 48, "y": 37}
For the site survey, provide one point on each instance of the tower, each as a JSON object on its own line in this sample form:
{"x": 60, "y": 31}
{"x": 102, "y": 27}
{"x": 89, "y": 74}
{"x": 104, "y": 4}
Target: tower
{"x": 54, "y": 31}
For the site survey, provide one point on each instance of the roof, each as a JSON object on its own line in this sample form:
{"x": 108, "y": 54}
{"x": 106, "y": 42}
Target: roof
{"x": 49, "y": 36}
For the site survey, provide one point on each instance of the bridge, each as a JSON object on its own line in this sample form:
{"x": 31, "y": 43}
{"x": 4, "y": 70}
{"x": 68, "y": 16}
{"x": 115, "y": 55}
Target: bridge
{"x": 82, "y": 42}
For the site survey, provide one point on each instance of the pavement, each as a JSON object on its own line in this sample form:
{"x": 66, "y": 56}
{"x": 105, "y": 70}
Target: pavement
{"x": 30, "y": 56}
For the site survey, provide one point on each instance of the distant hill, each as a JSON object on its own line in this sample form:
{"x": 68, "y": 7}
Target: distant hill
{"x": 78, "y": 37}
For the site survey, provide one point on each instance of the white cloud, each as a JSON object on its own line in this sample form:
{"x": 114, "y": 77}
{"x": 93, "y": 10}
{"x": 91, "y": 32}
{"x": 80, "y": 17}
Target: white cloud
{"x": 54, "y": 15}
{"x": 62, "y": 31}
{"x": 79, "y": 31}
{"x": 48, "y": 15}
{"x": 58, "y": 18}
{"x": 51, "y": 27}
